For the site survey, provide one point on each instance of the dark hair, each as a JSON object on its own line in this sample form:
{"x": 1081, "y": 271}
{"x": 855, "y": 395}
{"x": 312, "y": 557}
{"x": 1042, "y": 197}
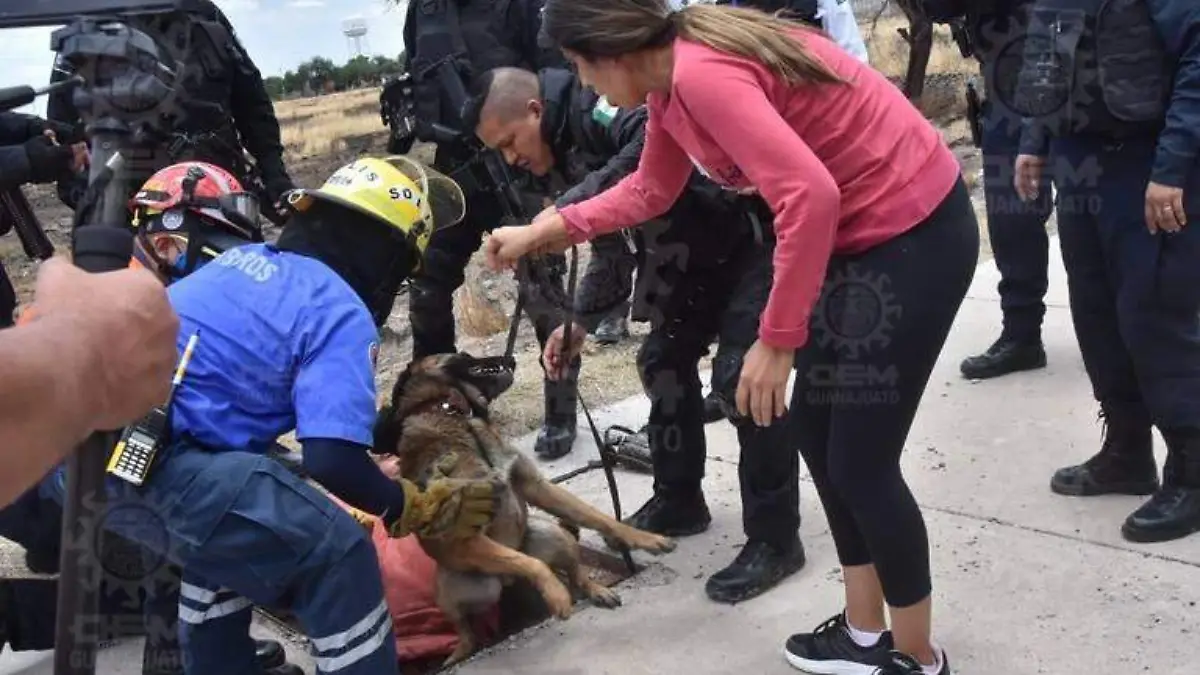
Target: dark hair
{"x": 598, "y": 30}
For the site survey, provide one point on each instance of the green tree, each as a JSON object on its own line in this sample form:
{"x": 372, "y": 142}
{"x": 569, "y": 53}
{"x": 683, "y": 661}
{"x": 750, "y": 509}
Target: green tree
{"x": 274, "y": 86}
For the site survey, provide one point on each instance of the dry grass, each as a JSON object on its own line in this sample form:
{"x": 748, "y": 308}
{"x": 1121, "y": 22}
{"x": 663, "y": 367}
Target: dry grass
{"x": 326, "y": 124}
{"x": 889, "y": 52}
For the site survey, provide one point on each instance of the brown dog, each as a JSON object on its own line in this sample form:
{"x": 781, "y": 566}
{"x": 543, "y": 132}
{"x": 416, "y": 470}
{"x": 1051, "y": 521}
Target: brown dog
{"x": 437, "y": 424}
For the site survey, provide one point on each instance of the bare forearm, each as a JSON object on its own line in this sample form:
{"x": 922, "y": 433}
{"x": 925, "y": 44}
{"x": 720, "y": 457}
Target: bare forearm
{"x": 44, "y": 411}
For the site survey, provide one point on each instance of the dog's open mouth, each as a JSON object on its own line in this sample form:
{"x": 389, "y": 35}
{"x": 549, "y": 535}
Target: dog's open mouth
{"x": 492, "y": 375}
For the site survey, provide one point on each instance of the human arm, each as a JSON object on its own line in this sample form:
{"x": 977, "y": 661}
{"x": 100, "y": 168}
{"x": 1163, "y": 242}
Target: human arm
{"x": 661, "y": 175}
{"x": 627, "y": 133}
{"x": 801, "y": 192}
{"x": 346, "y": 470}
{"x": 80, "y": 366}
{"x": 27, "y": 155}
{"x": 254, "y": 116}
{"x": 1178, "y": 23}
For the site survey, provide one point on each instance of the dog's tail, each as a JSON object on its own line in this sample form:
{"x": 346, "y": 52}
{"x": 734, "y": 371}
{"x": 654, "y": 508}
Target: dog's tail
{"x": 570, "y": 527}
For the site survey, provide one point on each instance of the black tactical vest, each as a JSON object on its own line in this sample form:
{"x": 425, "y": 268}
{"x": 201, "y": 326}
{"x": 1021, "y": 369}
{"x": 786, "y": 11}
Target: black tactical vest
{"x": 1095, "y": 67}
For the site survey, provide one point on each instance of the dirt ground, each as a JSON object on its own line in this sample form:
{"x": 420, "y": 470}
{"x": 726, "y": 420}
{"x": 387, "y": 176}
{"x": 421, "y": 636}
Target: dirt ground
{"x": 325, "y": 132}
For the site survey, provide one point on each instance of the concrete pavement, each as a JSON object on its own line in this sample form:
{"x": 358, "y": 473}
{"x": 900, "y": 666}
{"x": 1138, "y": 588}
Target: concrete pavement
{"x": 1025, "y": 581}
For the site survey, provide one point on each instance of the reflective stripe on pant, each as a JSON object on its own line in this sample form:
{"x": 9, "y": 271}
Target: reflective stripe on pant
{"x": 246, "y": 531}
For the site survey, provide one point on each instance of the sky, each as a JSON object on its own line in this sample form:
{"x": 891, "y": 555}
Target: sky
{"x": 279, "y": 34}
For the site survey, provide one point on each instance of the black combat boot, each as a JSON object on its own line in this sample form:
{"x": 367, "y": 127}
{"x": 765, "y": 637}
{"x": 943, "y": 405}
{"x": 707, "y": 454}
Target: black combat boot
{"x": 558, "y": 430}
{"x": 756, "y": 569}
{"x": 612, "y": 330}
{"x": 1125, "y": 464}
{"x": 1006, "y": 355}
{"x": 1174, "y": 511}
{"x": 671, "y": 513}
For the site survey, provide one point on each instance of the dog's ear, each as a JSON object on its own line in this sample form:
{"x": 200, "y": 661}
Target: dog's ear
{"x": 402, "y": 381}
{"x": 387, "y": 431}
{"x": 458, "y": 399}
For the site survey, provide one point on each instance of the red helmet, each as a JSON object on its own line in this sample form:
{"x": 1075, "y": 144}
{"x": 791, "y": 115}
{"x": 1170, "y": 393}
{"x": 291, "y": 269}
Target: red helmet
{"x": 200, "y": 205}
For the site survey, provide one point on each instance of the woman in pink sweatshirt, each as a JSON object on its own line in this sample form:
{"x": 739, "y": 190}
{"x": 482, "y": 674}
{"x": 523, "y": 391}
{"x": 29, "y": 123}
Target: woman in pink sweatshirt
{"x": 876, "y": 246}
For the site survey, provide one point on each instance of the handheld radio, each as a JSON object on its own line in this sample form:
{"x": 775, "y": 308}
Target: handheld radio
{"x": 133, "y": 456}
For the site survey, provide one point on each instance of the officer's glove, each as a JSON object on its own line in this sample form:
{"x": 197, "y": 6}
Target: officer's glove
{"x": 448, "y": 508}
{"x": 275, "y": 186}
{"x": 47, "y": 161}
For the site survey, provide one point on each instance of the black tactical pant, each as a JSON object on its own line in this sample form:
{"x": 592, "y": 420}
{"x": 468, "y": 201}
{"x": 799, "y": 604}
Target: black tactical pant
{"x": 610, "y": 271}
{"x": 722, "y": 303}
{"x": 1135, "y": 296}
{"x": 431, "y": 291}
{"x": 1016, "y": 229}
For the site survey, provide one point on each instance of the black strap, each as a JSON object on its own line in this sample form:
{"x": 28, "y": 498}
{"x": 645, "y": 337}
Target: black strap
{"x": 607, "y": 454}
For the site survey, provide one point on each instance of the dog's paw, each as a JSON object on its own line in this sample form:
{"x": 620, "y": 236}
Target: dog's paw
{"x": 650, "y": 542}
{"x": 604, "y": 597}
{"x": 557, "y": 598}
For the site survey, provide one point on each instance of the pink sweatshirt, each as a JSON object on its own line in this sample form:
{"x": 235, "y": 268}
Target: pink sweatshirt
{"x": 843, "y": 167}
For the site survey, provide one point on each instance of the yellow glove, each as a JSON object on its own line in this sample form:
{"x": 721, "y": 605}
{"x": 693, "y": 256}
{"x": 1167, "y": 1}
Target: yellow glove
{"x": 364, "y": 519}
{"x": 447, "y": 508}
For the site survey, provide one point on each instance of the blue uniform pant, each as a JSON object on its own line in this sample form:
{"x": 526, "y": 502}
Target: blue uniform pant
{"x": 1016, "y": 229}
{"x": 1135, "y": 296}
{"x": 247, "y": 532}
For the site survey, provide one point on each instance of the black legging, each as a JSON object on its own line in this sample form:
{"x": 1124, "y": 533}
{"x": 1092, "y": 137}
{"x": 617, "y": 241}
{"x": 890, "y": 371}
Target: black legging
{"x": 877, "y": 331}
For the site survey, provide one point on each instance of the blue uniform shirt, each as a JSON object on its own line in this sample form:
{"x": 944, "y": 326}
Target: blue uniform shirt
{"x": 284, "y": 344}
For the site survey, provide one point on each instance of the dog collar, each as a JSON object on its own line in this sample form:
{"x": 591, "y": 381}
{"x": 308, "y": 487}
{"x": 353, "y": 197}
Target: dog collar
{"x": 449, "y": 408}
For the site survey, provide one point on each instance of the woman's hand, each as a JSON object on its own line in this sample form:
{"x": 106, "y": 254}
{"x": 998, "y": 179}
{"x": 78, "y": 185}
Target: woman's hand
{"x": 762, "y": 388}
{"x": 546, "y": 234}
{"x": 556, "y": 360}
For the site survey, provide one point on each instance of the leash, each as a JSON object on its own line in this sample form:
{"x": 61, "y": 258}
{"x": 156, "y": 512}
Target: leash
{"x": 608, "y": 458}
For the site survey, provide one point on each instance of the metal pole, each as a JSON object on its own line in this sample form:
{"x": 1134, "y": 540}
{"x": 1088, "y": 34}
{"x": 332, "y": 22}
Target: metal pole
{"x": 101, "y": 243}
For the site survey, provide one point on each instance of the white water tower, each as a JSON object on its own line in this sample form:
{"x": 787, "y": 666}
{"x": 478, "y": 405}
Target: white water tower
{"x": 355, "y": 30}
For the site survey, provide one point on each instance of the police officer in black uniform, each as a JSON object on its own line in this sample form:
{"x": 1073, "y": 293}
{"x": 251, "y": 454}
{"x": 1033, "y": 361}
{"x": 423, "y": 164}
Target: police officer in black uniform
{"x": 224, "y": 111}
{"x": 706, "y": 278}
{"x": 1112, "y": 90}
{"x": 27, "y": 155}
{"x": 993, "y": 32}
{"x": 486, "y": 34}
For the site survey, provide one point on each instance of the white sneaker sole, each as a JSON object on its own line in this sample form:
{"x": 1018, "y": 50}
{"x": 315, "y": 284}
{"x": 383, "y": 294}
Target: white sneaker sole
{"x": 828, "y": 667}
